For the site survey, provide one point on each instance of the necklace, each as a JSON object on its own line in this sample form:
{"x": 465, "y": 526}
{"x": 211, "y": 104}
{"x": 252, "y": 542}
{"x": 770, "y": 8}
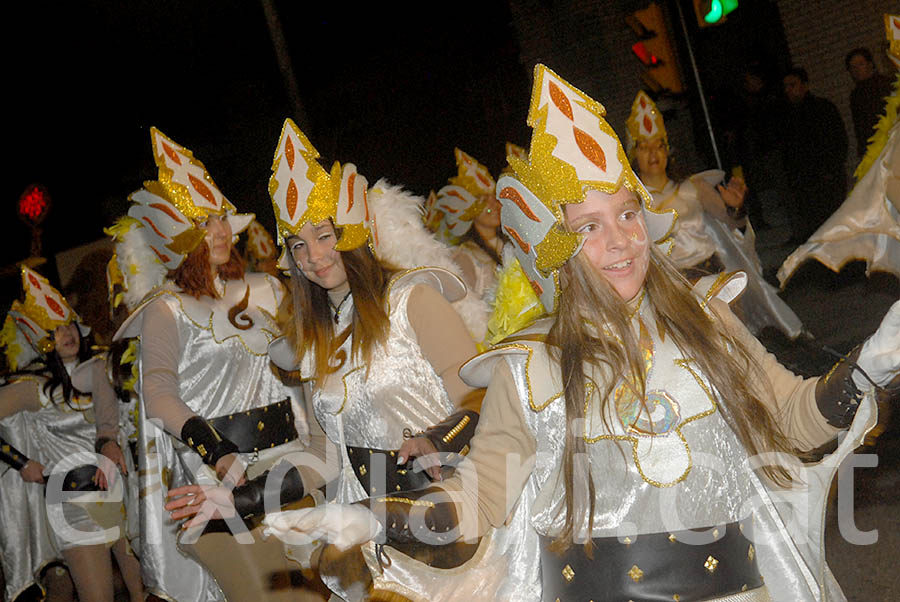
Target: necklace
{"x": 337, "y": 309}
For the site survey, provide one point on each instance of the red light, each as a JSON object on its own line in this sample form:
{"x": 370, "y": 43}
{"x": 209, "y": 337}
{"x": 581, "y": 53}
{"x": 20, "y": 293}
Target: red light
{"x": 645, "y": 56}
{"x": 34, "y": 204}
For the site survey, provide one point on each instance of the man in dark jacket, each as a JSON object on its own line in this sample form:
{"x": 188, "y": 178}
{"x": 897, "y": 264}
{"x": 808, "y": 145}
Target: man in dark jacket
{"x": 814, "y": 147}
{"x": 868, "y": 96}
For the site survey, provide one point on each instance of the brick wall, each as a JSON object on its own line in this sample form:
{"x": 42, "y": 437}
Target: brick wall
{"x": 821, "y": 33}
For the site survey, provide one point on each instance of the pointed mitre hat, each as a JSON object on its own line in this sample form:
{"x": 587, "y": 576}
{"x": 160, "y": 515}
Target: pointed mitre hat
{"x": 573, "y": 150}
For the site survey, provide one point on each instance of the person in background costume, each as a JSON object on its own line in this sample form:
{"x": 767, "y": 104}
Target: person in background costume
{"x": 212, "y": 409}
{"x": 48, "y": 437}
{"x": 707, "y": 238}
{"x": 377, "y": 343}
{"x": 470, "y": 220}
{"x": 615, "y": 431}
{"x": 867, "y": 225}
{"x": 260, "y": 251}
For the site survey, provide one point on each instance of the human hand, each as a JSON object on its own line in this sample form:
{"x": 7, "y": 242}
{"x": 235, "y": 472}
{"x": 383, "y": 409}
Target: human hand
{"x": 880, "y": 354}
{"x": 342, "y": 525}
{"x": 422, "y": 448}
{"x": 231, "y": 470}
{"x": 32, "y": 472}
{"x": 200, "y": 504}
{"x": 114, "y": 453}
{"x": 733, "y": 195}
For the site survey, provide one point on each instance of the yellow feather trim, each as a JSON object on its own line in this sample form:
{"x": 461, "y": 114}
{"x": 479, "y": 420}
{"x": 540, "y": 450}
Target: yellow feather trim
{"x": 8, "y": 341}
{"x": 130, "y": 356}
{"x": 120, "y": 227}
{"x": 516, "y": 306}
{"x": 882, "y": 129}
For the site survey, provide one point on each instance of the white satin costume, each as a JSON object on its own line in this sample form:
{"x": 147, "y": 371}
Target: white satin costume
{"x": 699, "y": 234}
{"x": 34, "y": 528}
{"x": 685, "y": 463}
{"x": 478, "y": 270}
{"x": 399, "y": 392}
{"x": 222, "y": 368}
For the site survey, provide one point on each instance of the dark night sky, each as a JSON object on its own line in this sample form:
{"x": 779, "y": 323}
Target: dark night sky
{"x": 392, "y": 92}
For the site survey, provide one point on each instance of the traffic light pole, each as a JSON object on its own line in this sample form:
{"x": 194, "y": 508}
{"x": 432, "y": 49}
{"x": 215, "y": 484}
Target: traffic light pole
{"x": 690, "y": 49}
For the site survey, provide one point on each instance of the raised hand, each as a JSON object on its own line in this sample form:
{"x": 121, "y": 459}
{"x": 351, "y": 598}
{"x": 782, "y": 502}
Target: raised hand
{"x": 880, "y": 354}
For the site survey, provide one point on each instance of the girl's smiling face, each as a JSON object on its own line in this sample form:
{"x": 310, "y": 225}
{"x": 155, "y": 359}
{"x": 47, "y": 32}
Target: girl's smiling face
{"x": 615, "y": 238}
{"x": 313, "y": 250}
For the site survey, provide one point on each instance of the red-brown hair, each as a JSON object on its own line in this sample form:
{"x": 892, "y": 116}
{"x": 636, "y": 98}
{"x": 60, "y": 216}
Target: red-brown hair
{"x": 193, "y": 276}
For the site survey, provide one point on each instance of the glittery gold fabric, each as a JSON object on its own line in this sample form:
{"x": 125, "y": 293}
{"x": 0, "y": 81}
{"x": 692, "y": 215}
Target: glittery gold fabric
{"x": 303, "y": 192}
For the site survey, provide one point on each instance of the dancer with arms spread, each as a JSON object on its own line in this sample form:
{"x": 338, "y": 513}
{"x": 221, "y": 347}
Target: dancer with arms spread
{"x": 617, "y": 431}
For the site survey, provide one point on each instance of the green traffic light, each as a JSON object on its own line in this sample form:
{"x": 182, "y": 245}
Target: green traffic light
{"x": 715, "y": 11}
{"x": 728, "y": 6}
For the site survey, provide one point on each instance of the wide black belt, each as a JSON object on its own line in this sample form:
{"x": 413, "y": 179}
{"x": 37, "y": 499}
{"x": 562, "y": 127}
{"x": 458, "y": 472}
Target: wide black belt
{"x": 653, "y": 567}
{"x": 81, "y": 479}
{"x": 260, "y": 428}
{"x": 379, "y": 474}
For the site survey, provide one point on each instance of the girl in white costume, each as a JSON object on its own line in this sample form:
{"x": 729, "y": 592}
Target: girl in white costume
{"x": 48, "y": 436}
{"x": 467, "y": 215}
{"x": 648, "y": 468}
{"x": 375, "y": 338}
{"x": 212, "y": 408}
{"x": 707, "y": 239}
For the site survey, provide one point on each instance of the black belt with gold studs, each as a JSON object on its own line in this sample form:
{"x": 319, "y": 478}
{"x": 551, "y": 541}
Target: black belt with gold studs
{"x": 684, "y": 565}
{"x": 259, "y": 428}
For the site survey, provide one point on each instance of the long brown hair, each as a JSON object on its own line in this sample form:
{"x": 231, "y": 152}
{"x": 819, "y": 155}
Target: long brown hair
{"x": 193, "y": 276}
{"x": 614, "y": 350}
{"x": 309, "y": 326}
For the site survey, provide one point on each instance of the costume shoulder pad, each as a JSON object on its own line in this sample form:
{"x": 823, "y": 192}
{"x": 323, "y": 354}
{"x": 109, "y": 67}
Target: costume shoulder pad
{"x": 445, "y": 282}
{"x": 726, "y": 286}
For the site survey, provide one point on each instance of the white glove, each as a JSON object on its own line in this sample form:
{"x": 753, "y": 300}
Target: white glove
{"x": 880, "y": 354}
{"x": 343, "y": 525}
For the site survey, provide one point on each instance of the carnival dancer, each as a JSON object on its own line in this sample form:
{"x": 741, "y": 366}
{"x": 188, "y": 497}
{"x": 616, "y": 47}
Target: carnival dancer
{"x": 469, "y": 220}
{"x": 212, "y": 409}
{"x": 867, "y": 225}
{"x": 260, "y": 251}
{"x": 48, "y": 436}
{"x": 708, "y": 237}
{"x": 617, "y": 431}
{"x": 379, "y": 346}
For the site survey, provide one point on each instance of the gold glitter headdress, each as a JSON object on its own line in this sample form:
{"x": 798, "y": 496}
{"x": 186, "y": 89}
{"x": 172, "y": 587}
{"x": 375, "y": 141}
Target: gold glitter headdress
{"x": 164, "y": 222}
{"x": 892, "y": 28}
{"x": 464, "y": 198}
{"x": 472, "y": 175}
{"x": 573, "y": 150}
{"x": 259, "y": 242}
{"x": 29, "y": 325}
{"x": 184, "y": 196}
{"x": 303, "y": 192}
{"x": 645, "y": 123}
{"x": 514, "y": 150}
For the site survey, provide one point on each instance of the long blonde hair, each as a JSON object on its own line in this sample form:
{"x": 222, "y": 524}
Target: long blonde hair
{"x": 307, "y": 322}
{"x": 587, "y": 298}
